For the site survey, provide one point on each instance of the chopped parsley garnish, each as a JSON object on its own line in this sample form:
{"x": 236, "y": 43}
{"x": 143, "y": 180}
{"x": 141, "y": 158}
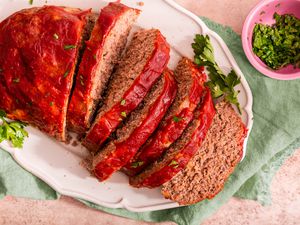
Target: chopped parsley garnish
{"x": 12, "y": 131}
{"x": 68, "y": 47}
{"x": 278, "y": 45}
{"x": 66, "y": 73}
{"x": 123, "y": 102}
{"x": 51, "y": 103}
{"x": 219, "y": 84}
{"x": 95, "y": 56}
{"x": 176, "y": 119}
{"x": 55, "y": 36}
{"x": 137, "y": 164}
{"x": 123, "y": 114}
{"x": 16, "y": 80}
{"x": 174, "y": 163}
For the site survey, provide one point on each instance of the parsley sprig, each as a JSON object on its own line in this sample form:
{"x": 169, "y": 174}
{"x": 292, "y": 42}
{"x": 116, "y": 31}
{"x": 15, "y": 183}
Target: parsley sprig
{"x": 12, "y": 131}
{"x": 219, "y": 84}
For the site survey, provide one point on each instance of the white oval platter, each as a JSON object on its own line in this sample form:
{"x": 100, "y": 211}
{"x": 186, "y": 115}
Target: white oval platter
{"x": 59, "y": 165}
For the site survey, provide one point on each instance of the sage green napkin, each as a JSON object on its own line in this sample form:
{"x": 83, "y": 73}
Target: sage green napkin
{"x": 275, "y": 135}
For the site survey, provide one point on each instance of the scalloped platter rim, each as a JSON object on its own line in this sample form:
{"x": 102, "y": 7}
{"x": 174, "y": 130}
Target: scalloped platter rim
{"x": 60, "y": 165}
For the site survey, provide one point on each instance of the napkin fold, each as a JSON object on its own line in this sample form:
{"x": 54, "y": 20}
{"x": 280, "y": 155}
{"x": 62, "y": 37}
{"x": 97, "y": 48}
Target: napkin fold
{"x": 274, "y": 137}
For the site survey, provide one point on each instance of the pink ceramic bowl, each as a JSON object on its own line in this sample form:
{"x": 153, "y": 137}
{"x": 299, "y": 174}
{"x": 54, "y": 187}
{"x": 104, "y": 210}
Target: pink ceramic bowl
{"x": 263, "y": 13}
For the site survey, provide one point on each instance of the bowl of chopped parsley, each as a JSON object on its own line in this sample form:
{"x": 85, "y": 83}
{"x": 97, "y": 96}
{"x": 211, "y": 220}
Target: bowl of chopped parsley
{"x": 271, "y": 38}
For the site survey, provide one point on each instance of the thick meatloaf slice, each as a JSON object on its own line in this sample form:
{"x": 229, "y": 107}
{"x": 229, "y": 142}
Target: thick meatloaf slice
{"x": 38, "y": 53}
{"x": 178, "y": 155}
{"x": 141, "y": 124}
{"x": 139, "y": 68}
{"x": 209, "y": 169}
{"x": 190, "y": 80}
{"x": 102, "y": 52}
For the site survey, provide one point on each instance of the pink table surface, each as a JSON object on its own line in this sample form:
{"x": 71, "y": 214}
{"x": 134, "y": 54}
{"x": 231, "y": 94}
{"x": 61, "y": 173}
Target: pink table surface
{"x": 285, "y": 189}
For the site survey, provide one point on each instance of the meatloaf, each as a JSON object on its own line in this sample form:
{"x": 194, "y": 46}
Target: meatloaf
{"x": 209, "y": 169}
{"x": 178, "y": 155}
{"x": 190, "y": 80}
{"x": 102, "y": 52}
{"x": 140, "y": 125}
{"x": 139, "y": 68}
{"x": 38, "y": 53}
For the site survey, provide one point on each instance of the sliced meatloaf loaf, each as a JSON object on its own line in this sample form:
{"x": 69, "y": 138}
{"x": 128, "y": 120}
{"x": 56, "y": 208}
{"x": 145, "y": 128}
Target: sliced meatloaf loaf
{"x": 178, "y": 155}
{"x": 102, "y": 52}
{"x": 139, "y": 68}
{"x": 190, "y": 82}
{"x": 38, "y": 53}
{"x": 140, "y": 125}
{"x": 206, "y": 173}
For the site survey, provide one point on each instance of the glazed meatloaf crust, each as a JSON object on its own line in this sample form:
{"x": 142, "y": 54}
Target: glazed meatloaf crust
{"x": 102, "y": 52}
{"x": 178, "y": 155}
{"x": 140, "y": 125}
{"x": 38, "y": 53}
{"x": 145, "y": 59}
{"x": 190, "y": 80}
{"x": 209, "y": 169}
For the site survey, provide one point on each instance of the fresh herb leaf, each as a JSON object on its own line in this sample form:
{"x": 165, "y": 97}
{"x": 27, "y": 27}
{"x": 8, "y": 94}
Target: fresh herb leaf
{"x": 137, "y": 164}
{"x": 95, "y": 56}
{"x": 66, "y": 73}
{"x": 176, "y": 119}
{"x": 232, "y": 79}
{"x": 174, "y": 163}
{"x": 12, "y": 131}
{"x": 123, "y": 114}
{"x": 68, "y": 47}
{"x": 2, "y": 113}
{"x": 123, "y": 102}
{"x": 55, "y": 36}
{"x": 278, "y": 45}
{"x": 16, "y": 80}
{"x": 51, "y": 103}
{"x": 219, "y": 84}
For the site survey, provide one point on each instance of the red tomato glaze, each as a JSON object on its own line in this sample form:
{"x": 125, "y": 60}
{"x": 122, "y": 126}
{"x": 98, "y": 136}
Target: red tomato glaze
{"x": 38, "y": 52}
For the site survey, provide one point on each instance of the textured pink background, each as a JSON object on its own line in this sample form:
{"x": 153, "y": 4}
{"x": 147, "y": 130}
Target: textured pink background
{"x": 285, "y": 208}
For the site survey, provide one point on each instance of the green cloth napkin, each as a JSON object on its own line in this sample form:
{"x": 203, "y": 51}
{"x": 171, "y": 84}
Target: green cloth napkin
{"x": 275, "y": 136}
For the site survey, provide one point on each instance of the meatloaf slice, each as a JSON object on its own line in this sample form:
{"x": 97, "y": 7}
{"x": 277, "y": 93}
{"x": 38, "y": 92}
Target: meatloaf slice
{"x": 139, "y": 68}
{"x": 102, "y": 52}
{"x": 209, "y": 169}
{"x": 178, "y": 155}
{"x": 190, "y": 81}
{"x": 140, "y": 125}
{"x": 38, "y": 53}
